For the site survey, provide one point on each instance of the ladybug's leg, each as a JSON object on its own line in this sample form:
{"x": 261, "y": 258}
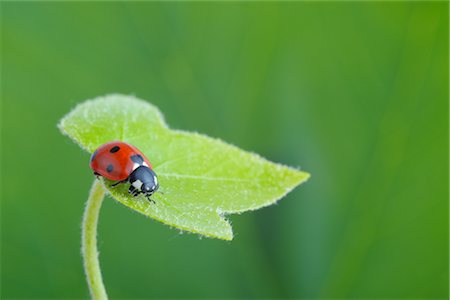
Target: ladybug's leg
{"x": 149, "y": 199}
{"x": 118, "y": 182}
{"x": 133, "y": 191}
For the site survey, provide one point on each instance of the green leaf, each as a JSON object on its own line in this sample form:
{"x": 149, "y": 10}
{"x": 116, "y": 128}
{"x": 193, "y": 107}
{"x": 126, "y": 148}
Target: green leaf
{"x": 201, "y": 178}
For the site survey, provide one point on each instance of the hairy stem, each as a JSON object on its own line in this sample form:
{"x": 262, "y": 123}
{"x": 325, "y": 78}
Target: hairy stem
{"x": 89, "y": 242}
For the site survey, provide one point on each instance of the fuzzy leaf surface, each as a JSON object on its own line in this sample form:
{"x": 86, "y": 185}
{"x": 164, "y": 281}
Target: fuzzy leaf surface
{"x": 201, "y": 178}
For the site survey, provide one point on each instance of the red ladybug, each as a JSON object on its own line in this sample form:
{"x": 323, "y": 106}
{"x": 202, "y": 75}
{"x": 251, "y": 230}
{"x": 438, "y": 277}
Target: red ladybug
{"x": 122, "y": 162}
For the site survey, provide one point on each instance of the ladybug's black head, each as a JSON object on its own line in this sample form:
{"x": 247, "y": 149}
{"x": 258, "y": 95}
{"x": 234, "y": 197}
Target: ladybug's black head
{"x": 144, "y": 180}
{"x": 149, "y": 188}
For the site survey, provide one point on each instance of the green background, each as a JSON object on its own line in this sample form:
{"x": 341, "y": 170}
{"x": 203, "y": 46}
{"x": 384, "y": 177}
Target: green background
{"x": 355, "y": 93}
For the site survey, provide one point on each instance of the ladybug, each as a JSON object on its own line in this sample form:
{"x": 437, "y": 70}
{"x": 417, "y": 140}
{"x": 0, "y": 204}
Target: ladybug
{"x": 121, "y": 162}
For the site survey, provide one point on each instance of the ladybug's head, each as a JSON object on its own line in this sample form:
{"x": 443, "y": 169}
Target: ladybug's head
{"x": 145, "y": 180}
{"x": 150, "y": 187}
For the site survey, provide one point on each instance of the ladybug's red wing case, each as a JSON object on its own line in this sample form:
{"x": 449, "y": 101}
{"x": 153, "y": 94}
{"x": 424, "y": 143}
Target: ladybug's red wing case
{"x": 116, "y": 160}
{"x": 140, "y": 155}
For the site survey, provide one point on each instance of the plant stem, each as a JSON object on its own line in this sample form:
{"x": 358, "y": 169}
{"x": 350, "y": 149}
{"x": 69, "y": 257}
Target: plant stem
{"x": 89, "y": 242}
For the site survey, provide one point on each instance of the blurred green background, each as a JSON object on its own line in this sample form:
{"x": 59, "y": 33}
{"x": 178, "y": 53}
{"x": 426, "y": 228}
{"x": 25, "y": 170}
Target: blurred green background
{"x": 355, "y": 93}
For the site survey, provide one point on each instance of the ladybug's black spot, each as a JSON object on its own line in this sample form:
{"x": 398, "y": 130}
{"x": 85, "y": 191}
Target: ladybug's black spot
{"x": 114, "y": 149}
{"x": 93, "y": 155}
{"x": 109, "y": 168}
{"x": 137, "y": 159}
